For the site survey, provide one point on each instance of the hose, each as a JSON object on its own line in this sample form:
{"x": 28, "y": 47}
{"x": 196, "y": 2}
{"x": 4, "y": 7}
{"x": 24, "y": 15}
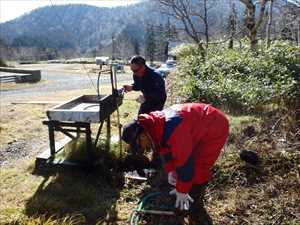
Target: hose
{"x": 135, "y": 217}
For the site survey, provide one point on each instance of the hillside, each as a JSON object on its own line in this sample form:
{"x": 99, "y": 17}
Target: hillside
{"x": 65, "y": 26}
{"x": 87, "y": 27}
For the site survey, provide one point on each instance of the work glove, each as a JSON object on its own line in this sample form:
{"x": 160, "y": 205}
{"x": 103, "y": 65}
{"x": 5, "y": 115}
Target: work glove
{"x": 183, "y": 200}
{"x": 141, "y": 99}
{"x": 172, "y": 177}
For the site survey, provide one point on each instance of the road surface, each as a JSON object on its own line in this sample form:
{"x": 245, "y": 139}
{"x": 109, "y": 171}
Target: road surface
{"x": 56, "y": 78}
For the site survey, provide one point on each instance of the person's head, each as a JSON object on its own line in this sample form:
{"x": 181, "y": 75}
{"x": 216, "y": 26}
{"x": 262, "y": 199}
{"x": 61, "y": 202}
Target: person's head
{"x": 138, "y": 65}
{"x": 134, "y": 135}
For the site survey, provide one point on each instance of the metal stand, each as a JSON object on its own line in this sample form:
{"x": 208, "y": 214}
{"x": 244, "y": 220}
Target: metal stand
{"x": 65, "y": 119}
{"x": 72, "y": 130}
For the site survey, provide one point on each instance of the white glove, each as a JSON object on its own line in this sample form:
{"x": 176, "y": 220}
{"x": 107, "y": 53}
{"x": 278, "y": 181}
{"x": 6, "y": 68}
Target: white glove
{"x": 182, "y": 199}
{"x": 141, "y": 99}
{"x": 172, "y": 177}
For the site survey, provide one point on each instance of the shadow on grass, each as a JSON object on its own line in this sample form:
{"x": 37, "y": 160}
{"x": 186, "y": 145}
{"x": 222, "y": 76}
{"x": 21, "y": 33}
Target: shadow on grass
{"x": 88, "y": 193}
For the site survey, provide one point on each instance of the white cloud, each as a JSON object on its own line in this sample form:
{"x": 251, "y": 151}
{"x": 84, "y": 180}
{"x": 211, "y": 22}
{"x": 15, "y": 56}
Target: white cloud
{"x": 11, "y": 9}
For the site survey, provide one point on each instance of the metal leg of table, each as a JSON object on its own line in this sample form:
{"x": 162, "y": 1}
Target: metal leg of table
{"x": 88, "y": 140}
{"x": 51, "y": 127}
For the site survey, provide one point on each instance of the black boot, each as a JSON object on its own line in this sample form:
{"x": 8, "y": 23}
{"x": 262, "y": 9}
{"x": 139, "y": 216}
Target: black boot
{"x": 198, "y": 214}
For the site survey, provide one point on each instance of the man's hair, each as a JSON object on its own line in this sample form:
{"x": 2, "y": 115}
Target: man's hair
{"x": 137, "y": 59}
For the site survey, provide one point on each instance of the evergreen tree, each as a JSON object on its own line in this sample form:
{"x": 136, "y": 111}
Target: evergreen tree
{"x": 150, "y": 43}
{"x": 136, "y": 46}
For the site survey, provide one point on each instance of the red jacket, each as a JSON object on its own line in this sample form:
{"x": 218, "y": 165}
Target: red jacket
{"x": 189, "y": 138}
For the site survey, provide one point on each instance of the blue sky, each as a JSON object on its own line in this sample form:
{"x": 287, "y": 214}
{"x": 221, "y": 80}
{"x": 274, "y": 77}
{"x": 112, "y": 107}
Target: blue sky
{"x": 11, "y": 9}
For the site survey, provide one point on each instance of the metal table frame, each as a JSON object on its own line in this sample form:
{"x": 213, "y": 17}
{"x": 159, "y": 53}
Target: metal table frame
{"x": 73, "y": 129}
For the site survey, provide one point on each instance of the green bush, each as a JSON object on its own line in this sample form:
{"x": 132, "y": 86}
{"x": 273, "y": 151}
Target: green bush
{"x": 239, "y": 79}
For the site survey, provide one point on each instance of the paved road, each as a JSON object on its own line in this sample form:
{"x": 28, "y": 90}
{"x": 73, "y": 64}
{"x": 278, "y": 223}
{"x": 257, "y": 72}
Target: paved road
{"x": 54, "y": 78}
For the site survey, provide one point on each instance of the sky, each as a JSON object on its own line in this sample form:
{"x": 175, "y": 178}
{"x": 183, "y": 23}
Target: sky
{"x": 11, "y": 9}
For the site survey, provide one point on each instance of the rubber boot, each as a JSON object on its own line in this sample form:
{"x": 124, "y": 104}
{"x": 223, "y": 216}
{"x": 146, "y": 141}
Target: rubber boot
{"x": 197, "y": 213}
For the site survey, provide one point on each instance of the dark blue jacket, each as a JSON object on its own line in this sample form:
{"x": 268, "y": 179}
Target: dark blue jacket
{"x": 152, "y": 85}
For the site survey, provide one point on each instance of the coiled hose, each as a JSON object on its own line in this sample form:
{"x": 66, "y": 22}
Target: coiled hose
{"x": 135, "y": 215}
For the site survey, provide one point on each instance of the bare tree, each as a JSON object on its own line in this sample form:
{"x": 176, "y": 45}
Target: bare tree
{"x": 251, "y": 21}
{"x": 288, "y": 21}
{"x": 193, "y": 17}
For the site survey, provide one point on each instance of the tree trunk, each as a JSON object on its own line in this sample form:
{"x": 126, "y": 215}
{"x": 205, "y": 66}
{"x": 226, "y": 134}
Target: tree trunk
{"x": 201, "y": 50}
{"x": 206, "y": 24}
{"x": 299, "y": 33}
{"x": 232, "y": 24}
{"x": 269, "y": 23}
{"x": 250, "y": 19}
{"x": 250, "y": 22}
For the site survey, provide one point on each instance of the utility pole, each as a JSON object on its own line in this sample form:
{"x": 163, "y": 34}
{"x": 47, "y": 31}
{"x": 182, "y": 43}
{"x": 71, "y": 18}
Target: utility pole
{"x": 113, "y": 47}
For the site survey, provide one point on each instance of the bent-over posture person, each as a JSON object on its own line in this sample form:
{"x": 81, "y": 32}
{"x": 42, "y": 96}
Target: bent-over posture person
{"x": 189, "y": 138}
{"x": 150, "y": 83}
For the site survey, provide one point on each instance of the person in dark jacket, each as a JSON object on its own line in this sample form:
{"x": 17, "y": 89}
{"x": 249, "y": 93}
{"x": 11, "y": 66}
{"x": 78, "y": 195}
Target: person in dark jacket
{"x": 189, "y": 138}
{"x": 150, "y": 83}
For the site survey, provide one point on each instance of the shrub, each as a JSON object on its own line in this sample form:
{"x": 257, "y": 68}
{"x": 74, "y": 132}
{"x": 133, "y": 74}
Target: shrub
{"x": 239, "y": 79}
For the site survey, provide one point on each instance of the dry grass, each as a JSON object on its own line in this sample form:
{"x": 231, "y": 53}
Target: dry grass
{"x": 238, "y": 194}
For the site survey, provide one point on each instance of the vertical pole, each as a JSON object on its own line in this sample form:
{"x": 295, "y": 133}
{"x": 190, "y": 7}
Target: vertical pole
{"x": 108, "y": 133}
{"x": 98, "y": 133}
{"x": 112, "y": 79}
{"x": 78, "y": 131}
{"x": 118, "y": 114}
{"x": 88, "y": 140}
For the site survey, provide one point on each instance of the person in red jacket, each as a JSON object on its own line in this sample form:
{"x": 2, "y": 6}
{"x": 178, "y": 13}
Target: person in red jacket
{"x": 189, "y": 138}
